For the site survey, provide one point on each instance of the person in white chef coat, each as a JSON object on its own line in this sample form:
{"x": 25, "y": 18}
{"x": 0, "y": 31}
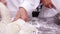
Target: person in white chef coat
{"x": 21, "y": 8}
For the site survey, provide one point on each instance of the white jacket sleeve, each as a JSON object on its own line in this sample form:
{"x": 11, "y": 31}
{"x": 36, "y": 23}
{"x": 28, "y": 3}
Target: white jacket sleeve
{"x": 30, "y": 5}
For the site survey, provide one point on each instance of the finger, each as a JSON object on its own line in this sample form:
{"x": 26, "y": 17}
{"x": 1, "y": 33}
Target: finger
{"x": 52, "y": 6}
{"x": 48, "y": 5}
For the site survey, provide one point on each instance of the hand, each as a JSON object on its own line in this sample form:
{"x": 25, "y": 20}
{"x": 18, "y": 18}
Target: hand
{"x": 48, "y": 3}
{"x": 22, "y": 14}
{"x": 4, "y": 2}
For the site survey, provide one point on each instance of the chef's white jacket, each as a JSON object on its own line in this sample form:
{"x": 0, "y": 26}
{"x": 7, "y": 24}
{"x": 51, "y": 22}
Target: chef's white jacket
{"x": 28, "y": 5}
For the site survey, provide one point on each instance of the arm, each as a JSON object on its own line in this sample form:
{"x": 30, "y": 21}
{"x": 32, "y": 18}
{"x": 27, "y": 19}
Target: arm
{"x": 48, "y": 4}
{"x": 24, "y": 8}
{"x": 21, "y": 14}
